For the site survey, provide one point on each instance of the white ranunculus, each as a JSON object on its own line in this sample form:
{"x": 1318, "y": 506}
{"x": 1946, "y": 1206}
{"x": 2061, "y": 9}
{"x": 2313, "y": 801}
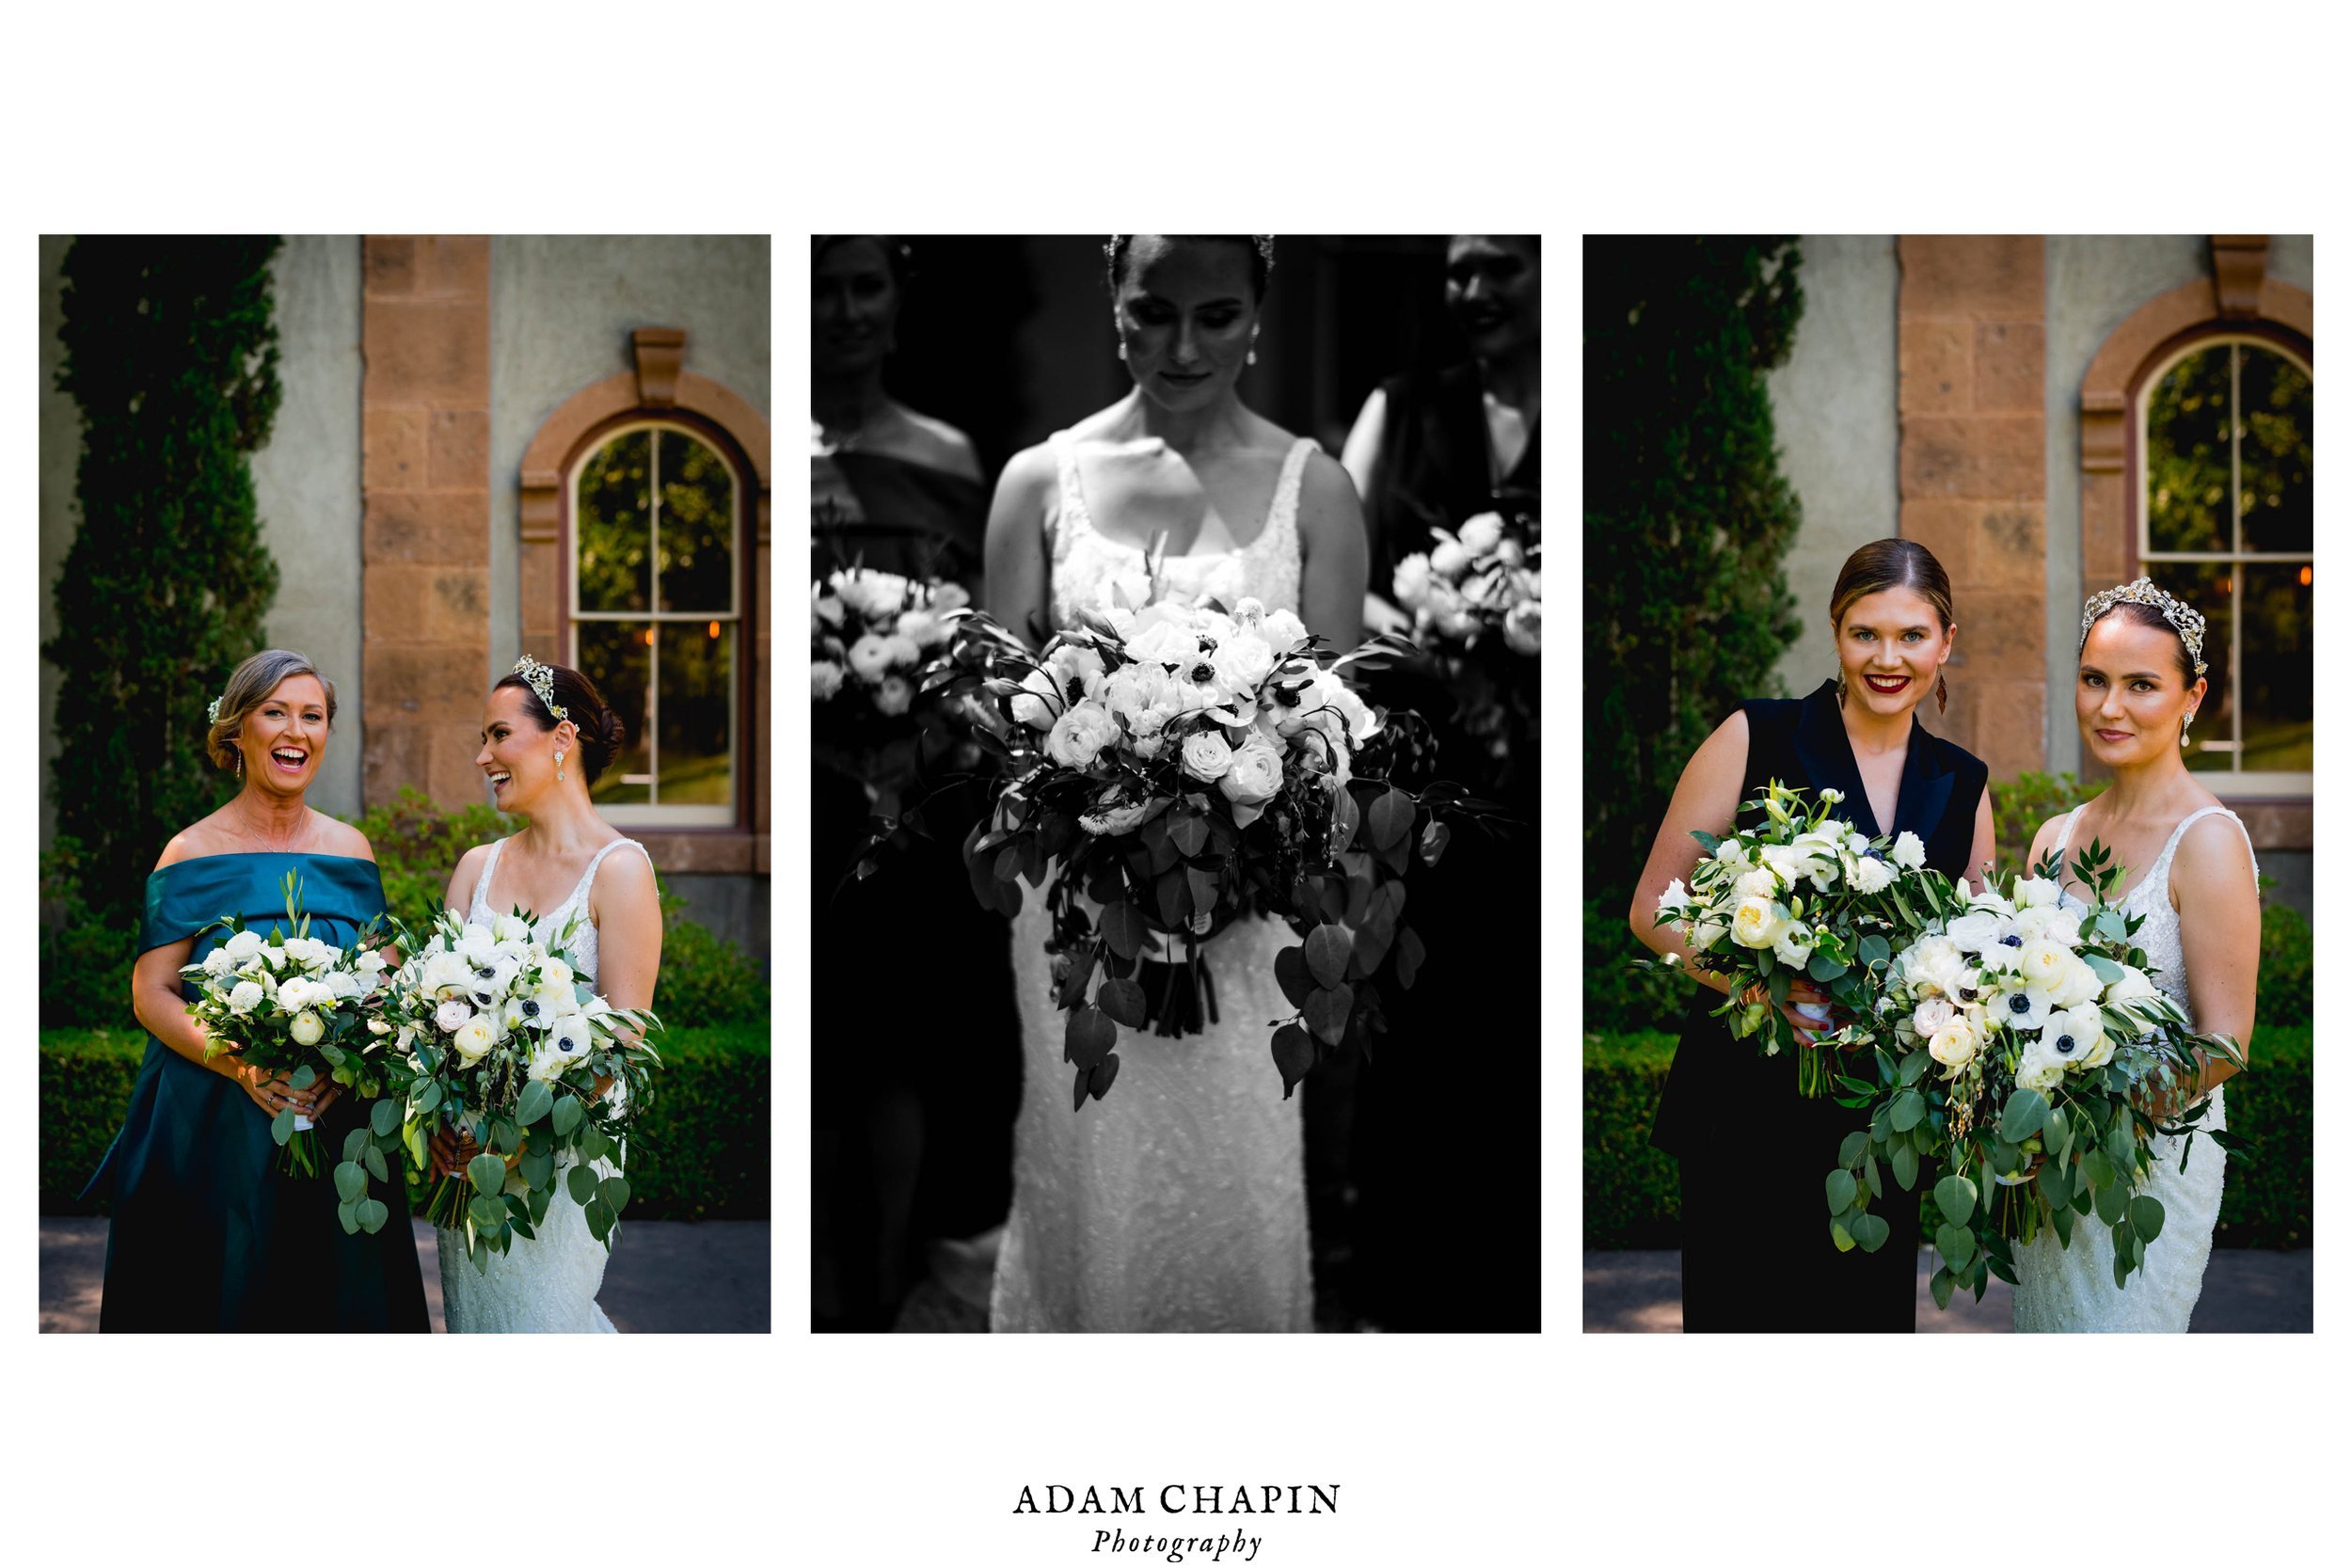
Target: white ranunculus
{"x": 1908, "y": 851}
{"x": 1754, "y": 923}
{"x": 244, "y": 996}
{"x": 824, "y": 680}
{"x": 1206, "y": 755}
{"x": 1953, "y": 1043}
{"x": 243, "y": 945}
{"x": 1412, "y": 580}
{"x": 892, "y": 696}
{"x": 2034, "y": 893}
{"x": 1482, "y": 534}
{"x": 555, "y": 971}
{"x": 1078, "y": 736}
{"x": 870, "y": 655}
{"x": 306, "y": 1028}
{"x": 1253, "y": 777}
{"x": 1794, "y": 946}
{"x": 2081, "y": 985}
{"x": 2044, "y": 964}
{"x": 1677, "y": 896}
{"x": 473, "y": 1041}
{"x": 1870, "y": 875}
{"x": 450, "y": 1016}
{"x": 1039, "y": 702}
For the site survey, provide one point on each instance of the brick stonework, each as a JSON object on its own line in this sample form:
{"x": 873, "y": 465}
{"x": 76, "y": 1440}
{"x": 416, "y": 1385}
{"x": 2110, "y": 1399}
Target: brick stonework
{"x": 426, "y": 542}
{"x": 1970, "y": 344}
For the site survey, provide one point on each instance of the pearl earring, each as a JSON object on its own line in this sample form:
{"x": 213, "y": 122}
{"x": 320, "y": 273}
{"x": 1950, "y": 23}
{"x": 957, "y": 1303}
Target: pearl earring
{"x": 2186, "y": 718}
{"x": 1253, "y": 346}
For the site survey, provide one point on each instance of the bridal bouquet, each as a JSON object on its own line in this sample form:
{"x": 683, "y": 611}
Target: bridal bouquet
{"x": 1482, "y": 581}
{"x": 872, "y": 634}
{"x": 2028, "y": 1041}
{"x": 503, "y": 1041}
{"x": 1803, "y": 893}
{"x": 289, "y": 1004}
{"x": 1169, "y": 767}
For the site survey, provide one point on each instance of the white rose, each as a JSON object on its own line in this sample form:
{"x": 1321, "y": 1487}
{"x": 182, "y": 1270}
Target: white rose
{"x": 218, "y": 962}
{"x": 1449, "y": 560}
{"x": 1284, "y": 631}
{"x": 1908, "y": 852}
{"x": 306, "y": 1029}
{"x": 1754, "y": 925}
{"x": 555, "y": 971}
{"x": 1108, "y": 819}
{"x": 473, "y": 1041}
{"x": 824, "y": 680}
{"x": 1981, "y": 930}
{"x": 476, "y": 944}
{"x": 1242, "y": 662}
{"x": 892, "y": 696}
{"x": 1934, "y": 965}
{"x": 2134, "y": 985}
{"x": 1253, "y": 776}
{"x": 450, "y": 1016}
{"x": 345, "y": 985}
{"x": 1207, "y": 756}
{"x": 1482, "y": 534}
{"x": 555, "y": 1000}
{"x": 1931, "y": 1015}
{"x": 1079, "y": 735}
{"x": 2044, "y": 964}
{"x": 1991, "y": 900}
{"x": 2080, "y": 986}
{"x": 511, "y": 929}
{"x": 1953, "y": 1043}
{"x": 1412, "y": 580}
{"x": 870, "y": 655}
{"x": 1731, "y": 852}
{"x": 244, "y": 997}
{"x": 1706, "y": 934}
{"x": 1794, "y": 946}
{"x": 244, "y": 944}
{"x": 2040, "y": 1068}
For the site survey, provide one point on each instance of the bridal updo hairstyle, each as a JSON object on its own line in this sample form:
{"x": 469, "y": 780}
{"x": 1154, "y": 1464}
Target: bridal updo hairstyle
{"x": 1884, "y": 564}
{"x": 1261, "y": 270}
{"x": 2149, "y": 616}
{"x": 601, "y": 733}
{"x": 249, "y": 685}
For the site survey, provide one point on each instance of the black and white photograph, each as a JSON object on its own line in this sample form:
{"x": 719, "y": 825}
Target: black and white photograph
{"x": 1176, "y": 628}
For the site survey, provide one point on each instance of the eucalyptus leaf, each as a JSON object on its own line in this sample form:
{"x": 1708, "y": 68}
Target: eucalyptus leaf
{"x": 384, "y": 1116}
{"x": 1871, "y": 1231}
{"x": 565, "y": 1116}
{"x": 488, "y": 1173}
{"x": 537, "y": 1100}
{"x": 1957, "y": 1196}
{"x": 281, "y": 1126}
{"x": 372, "y": 1214}
{"x": 1903, "y": 1161}
{"x": 1909, "y": 1109}
{"x": 2147, "y": 1218}
{"x": 582, "y": 1183}
{"x": 2023, "y": 1116}
{"x": 349, "y": 1214}
{"x": 1840, "y": 1187}
{"x": 351, "y": 1182}
{"x": 1956, "y": 1244}
{"x": 615, "y": 1190}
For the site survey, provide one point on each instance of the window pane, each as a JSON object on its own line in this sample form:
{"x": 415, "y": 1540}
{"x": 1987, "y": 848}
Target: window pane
{"x": 2206, "y": 589}
{"x": 697, "y": 544}
{"x": 615, "y": 657}
{"x": 697, "y": 762}
{"x": 615, "y": 524}
{"x": 2276, "y": 683}
{"x": 2274, "y": 401}
{"x": 2188, "y": 454}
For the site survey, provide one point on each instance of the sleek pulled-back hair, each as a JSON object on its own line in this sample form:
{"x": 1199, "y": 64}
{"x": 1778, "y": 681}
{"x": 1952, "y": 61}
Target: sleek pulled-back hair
{"x": 1884, "y": 564}
{"x": 2149, "y": 616}
{"x": 602, "y": 734}
{"x": 1261, "y": 268}
{"x": 250, "y": 685}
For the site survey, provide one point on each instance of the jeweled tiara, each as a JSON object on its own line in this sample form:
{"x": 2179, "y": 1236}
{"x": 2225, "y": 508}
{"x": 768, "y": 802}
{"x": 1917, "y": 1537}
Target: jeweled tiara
{"x": 2183, "y": 619}
{"x": 542, "y": 681}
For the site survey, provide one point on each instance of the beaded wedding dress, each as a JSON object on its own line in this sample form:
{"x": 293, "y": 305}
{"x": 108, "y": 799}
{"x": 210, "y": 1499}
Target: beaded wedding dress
{"x": 1177, "y": 1202}
{"x": 548, "y": 1284}
{"x": 2071, "y": 1290}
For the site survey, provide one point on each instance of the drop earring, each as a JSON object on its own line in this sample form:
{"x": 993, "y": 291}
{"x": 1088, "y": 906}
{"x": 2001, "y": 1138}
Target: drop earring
{"x": 1939, "y": 694}
{"x": 1841, "y": 688}
{"x": 1253, "y": 346}
{"x": 2186, "y": 718}
{"x": 559, "y": 764}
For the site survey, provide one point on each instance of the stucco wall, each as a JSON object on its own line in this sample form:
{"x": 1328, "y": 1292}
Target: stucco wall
{"x": 1834, "y": 405}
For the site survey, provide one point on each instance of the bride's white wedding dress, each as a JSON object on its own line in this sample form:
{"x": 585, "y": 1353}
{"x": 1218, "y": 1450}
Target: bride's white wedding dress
{"x": 548, "y": 1284}
{"x": 2071, "y": 1290}
{"x": 1178, "y": 1201}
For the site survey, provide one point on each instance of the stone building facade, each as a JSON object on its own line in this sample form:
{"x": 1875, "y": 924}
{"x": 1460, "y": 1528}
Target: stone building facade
{"x": 1991, "y": 397}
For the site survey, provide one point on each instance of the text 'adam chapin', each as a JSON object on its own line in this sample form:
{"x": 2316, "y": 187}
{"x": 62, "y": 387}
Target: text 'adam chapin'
{"x": 1178, "y": 1498}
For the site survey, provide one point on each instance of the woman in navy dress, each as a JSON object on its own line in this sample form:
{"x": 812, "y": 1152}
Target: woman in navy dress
{"x": 206, "y": 1233}
{"x": 1757, "y": 1253}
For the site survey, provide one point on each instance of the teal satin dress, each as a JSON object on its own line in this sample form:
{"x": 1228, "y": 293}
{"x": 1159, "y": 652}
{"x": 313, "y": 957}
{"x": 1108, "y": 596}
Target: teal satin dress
{"x": 206, "y": 1233}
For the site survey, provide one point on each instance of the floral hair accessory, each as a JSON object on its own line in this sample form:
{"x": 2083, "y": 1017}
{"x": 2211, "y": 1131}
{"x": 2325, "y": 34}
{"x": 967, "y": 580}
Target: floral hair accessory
{"x": 2190, "y": 625}
{"x": 1263, "y": 241}
{"x": 212, "y": 711}
{"x": 542, "y": 681}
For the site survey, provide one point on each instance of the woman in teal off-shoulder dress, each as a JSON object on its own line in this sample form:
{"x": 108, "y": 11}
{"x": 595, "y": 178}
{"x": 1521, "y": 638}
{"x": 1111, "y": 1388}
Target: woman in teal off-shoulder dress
{"x": 206, "y": 1233}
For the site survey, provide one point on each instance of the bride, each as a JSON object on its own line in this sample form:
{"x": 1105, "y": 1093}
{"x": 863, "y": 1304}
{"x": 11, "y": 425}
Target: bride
{"x": 2142, "y": 676}
{"x": 546, "y": 735}
{"x": 1178, "y": 1201}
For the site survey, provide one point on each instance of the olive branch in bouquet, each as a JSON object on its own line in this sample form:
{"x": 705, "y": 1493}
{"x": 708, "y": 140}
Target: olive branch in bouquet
{"x": 2017, "y": 1157}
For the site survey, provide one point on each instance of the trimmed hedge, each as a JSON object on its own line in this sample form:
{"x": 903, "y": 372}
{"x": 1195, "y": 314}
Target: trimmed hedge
{"x": 703, "y": 1153}
{"x": 1632, "y": 1199}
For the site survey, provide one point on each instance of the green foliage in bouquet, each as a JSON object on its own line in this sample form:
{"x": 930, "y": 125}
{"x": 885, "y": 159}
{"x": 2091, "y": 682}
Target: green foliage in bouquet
{"x": 706, "y": 979}
{"x": 171, "y": 354}
{"x": 2014, "y": 1157}
{"x": 1687, "y": 517}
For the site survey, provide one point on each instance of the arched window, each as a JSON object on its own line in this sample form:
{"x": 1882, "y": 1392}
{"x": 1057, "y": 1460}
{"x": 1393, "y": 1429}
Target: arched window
{"x": 2224, "y": 522}
{"x": 655, "y": 617}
